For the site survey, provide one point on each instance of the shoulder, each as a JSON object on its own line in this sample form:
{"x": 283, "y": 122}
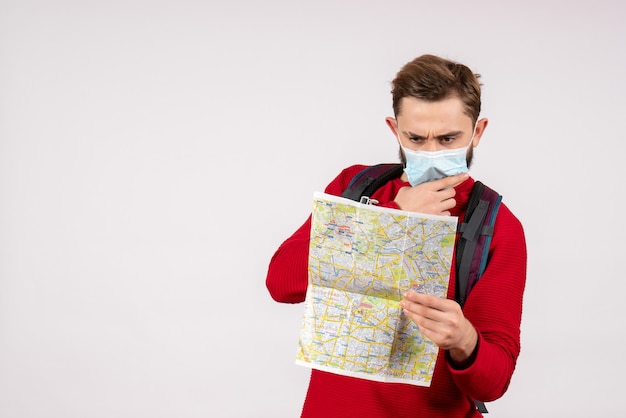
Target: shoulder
{"x": 506, "y": 223}
{"x": 508, "y": 235}
{"x": 506, "y": 217}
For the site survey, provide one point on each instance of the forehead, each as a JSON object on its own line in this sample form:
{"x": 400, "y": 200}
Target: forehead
{"x": 448, "y": 111}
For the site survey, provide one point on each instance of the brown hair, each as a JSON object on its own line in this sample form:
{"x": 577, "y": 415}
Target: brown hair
{"x": 432, "y": 78}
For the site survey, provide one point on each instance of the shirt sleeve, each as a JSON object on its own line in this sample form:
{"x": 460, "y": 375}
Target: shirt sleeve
{"x": 287, "y": 275}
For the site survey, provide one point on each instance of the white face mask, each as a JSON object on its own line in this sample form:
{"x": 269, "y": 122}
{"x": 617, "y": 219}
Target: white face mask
{"x": 424, "y": 166}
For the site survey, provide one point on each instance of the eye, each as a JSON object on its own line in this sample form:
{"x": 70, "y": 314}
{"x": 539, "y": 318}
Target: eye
{"x": 449, "y": 141}
{"x": 416, "y": 139}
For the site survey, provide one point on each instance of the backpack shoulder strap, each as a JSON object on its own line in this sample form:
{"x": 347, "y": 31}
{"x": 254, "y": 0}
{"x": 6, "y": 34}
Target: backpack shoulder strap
{"x": 472, "y": 247}
{"x": 370, "y": 179}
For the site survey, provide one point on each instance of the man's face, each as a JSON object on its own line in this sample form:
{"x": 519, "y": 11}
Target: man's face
{"x": 435, "y": 126}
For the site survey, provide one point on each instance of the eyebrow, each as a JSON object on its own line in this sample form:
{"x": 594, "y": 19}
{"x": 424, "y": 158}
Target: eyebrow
{"x": 446, "y": 135}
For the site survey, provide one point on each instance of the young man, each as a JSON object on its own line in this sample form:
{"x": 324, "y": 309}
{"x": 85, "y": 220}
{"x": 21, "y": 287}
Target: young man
{"x": 437, "y": 105}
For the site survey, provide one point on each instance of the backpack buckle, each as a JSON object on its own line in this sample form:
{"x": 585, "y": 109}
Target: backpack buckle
{"x": 366, "y": 200}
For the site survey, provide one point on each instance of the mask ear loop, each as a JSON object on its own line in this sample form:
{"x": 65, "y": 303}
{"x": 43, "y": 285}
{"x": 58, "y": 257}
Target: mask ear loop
{"x": 472, "y": 138}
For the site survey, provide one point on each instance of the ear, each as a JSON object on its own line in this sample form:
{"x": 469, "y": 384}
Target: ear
{"x": 481, "y": 125}
{"x": 393, "y": 125}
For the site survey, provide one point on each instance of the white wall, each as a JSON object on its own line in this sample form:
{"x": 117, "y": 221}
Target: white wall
{"x": 153, "y": 155}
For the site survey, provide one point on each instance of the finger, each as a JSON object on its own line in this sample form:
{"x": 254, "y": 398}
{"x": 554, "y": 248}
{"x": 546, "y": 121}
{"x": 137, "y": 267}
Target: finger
{"x": 451, "y": 181}
{"x": 423, "y": 299}
{"x": 423, "y": 314}
{"x": 424, "y": 317}
{"x": 428, "y": 326}
{"x": 445, "y": 205}
{"x": 445, "y": 194}
{"x": 448, "y": 203}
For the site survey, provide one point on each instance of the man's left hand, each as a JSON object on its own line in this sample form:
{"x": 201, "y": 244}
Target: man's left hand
{"x": 443, "y": 322}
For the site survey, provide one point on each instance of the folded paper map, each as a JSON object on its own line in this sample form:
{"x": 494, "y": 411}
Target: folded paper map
{"x": 362, "y": 259}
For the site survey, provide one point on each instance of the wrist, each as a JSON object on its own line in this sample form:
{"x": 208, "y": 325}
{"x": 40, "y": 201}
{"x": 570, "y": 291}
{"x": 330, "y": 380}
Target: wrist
{"x": 465, "y": 351}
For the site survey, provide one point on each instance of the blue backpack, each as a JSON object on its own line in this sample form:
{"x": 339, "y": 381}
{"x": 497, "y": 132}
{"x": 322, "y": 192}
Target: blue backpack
{"x": 472, "y": 245}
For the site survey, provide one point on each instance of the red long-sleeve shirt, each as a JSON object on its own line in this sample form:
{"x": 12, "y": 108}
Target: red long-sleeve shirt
{"x": 494, "y": 307}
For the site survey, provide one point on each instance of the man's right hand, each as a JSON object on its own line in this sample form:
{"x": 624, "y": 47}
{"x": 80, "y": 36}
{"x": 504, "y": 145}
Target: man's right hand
{"x": 433, "y": 197}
